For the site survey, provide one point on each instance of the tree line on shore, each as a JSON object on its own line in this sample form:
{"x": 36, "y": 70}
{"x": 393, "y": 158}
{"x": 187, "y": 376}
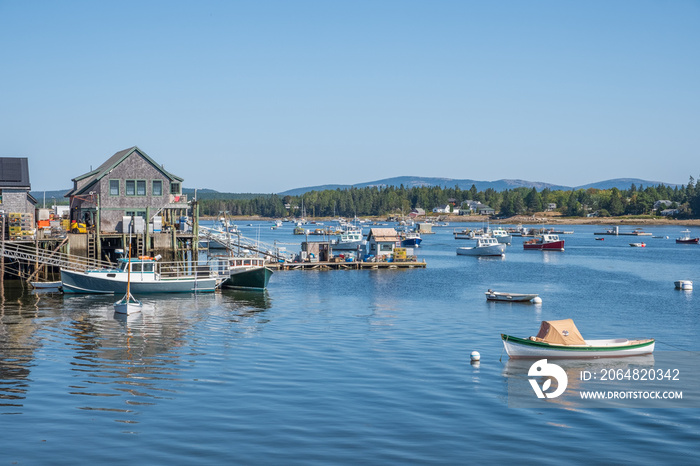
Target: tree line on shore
{"x": 390, "y": 200}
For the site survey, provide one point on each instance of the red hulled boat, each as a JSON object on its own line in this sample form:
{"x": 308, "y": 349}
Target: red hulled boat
{"x": 545, "y": 242}
{"x": 686, "y": 239}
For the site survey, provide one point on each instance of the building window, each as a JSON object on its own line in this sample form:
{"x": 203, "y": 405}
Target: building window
{"x": 130, "y": 188}
{"x": 141, "y": 187}
{"x": 114, "y": 187}
{"x": 174, "y": 188}
{"x": 157, "y": 187}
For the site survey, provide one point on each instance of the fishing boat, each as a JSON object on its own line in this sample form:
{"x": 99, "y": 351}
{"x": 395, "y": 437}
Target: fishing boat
{"x": 512, "y": 297}
{"x": 501, "y": 235}
{"x": 686, "y": 239}
{"x": 638, "y": 245}
{"x": 128, "y": 304}
{"x": 145, "y": 274}
{"x": 600, "y": 239}
{"x": 546, "y": 242}
{"x": 484, "y": 247}
{"x": 349, "y": 239}
{"x": 410, "y": 238}
{"x": 247, "y": 272}
{"x": 561, "y": 339}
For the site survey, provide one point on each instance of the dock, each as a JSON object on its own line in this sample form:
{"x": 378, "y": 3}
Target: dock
{"x": 616, "y": 232}
{"x": 355, "y": 265}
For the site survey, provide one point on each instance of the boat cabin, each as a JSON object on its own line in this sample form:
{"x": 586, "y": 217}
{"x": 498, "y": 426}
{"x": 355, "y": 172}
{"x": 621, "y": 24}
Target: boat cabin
{"x": 137, "y": 265}
{"x": 485, "y": 241}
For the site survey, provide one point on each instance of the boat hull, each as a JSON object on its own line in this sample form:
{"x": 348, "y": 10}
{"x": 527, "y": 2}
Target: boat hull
{"x": 128, "y": 305}
{"x": 687, "y": 241}
{"x": 524, "y": 348}
{"x": 509, "y": 297}
{"x": 495, "y": 250}
{"x": 411, "y": 242}
{"x": 103, "y": 283}
{"x": 257, "y": 278}
{"x": 553, "y": 246}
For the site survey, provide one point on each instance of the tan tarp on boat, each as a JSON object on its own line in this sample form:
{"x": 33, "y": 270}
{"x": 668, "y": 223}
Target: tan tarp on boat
{"x": 560, "y": 332}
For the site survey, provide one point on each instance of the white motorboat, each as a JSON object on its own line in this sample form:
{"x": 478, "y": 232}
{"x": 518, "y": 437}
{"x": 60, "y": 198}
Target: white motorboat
{"x": 501, "y": 235}
{"x": 485, "y": 246}
{"x": 349, "y": 240}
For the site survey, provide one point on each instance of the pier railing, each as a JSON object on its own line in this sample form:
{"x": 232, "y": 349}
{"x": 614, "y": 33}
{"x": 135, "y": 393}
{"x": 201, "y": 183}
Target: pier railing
{"x": 30, "y": 254}
{"x": 236, "y": 242}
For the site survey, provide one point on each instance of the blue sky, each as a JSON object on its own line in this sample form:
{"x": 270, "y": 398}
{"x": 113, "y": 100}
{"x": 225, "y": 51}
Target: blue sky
{"x": 265, "y": 96}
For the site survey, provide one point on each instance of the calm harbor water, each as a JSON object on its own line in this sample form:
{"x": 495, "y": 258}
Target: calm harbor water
{"x": 333, "y": 367}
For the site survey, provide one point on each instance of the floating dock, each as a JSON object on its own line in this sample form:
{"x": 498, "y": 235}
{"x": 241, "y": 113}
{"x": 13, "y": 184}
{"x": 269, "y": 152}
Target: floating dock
{"x": 615, "y": 231}
{"x": 356, "y": 265}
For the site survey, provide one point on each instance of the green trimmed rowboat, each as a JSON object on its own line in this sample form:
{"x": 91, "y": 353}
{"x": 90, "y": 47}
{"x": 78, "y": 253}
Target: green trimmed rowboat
{"x": 561, "y": 339}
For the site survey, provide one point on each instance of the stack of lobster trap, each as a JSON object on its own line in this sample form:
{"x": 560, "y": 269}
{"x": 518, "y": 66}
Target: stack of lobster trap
{"x": 20, "y": 226}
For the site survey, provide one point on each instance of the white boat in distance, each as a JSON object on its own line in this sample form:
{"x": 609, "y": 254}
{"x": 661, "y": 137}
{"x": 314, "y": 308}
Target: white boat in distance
{"x": 484, "y": 247}
{"x": 502, "y": 235}
{"x": 512, "y": 297}
{"x": 561, "y": 339}
{"x": 349, "y": 240}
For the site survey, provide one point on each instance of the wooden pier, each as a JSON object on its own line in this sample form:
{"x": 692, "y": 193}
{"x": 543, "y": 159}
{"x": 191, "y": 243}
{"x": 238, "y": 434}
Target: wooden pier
{"x": 355, "y": 265}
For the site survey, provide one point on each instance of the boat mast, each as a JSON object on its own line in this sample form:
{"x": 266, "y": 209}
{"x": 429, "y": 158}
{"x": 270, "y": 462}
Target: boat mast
{"x": 128, "y": 266}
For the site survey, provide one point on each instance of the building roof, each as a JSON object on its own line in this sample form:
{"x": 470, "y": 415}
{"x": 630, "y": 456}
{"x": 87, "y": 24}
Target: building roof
{"x": 14, "y": 172}
{"x": 112, "y": 162}
{"x": 383, "y": 234}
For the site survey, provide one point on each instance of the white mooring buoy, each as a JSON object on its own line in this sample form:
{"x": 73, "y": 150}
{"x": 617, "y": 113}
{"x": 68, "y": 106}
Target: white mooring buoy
{"x": 475, "y": 356}
{"x": 537, "y": 300}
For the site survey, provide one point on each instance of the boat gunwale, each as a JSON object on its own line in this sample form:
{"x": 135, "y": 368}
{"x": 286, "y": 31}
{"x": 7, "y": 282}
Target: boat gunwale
{"x": 579, "y": 348}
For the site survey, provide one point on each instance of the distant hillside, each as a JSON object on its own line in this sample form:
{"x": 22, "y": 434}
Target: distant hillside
{"x": 624, "y": 183}
{"x": 417, "y": 181}
{"x": 406, "y": 181}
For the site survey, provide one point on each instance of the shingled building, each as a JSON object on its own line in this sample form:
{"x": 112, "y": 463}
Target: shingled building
{"x": 15, "y": 186}
{"x": 127, "y": 184}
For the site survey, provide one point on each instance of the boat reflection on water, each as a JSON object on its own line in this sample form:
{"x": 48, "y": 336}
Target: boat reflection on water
{"x": 132, "y": 350}
{"x": 583, "y": 375}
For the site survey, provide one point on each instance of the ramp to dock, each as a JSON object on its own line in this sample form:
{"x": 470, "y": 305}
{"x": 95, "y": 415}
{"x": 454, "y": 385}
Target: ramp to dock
{"x": 235, "y": 242}
{"x": 31, "y": 254}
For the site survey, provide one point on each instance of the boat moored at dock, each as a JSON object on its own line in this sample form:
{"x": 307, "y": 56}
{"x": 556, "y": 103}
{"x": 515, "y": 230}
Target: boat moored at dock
{"x": 247, "y": 272}
{"x": 147, "y": 276}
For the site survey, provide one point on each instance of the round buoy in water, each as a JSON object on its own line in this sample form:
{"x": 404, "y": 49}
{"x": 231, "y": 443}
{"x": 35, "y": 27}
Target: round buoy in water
{"x": 475, "y": 356}
{"x": 537, "y": 300}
